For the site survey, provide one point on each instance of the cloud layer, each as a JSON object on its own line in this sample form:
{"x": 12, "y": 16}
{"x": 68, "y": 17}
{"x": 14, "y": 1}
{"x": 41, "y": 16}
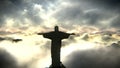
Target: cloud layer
{"x": 101, "y": 58}
{"x": 103, "y": 14}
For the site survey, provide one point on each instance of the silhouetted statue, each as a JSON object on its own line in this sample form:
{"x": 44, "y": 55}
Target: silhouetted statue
{"x": 56, "y": 37}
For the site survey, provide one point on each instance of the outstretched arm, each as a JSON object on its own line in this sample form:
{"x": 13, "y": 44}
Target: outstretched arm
{"x": 72, "y": 34}
{"x": 66, "y": 35}
{"x": 46, "y": 35}
{"x": 40, "y": 33}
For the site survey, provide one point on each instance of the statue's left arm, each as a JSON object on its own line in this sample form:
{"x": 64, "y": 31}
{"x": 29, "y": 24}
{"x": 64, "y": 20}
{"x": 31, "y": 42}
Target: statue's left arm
{"x": 66, "y": 35}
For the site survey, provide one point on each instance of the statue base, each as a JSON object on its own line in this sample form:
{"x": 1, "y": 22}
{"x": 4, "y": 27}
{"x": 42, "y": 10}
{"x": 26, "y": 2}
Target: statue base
{"x": 61, "y": 66}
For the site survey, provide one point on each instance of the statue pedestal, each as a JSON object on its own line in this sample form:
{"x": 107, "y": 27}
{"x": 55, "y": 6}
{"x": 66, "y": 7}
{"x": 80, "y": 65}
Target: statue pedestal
{"x": 61, "y": 66}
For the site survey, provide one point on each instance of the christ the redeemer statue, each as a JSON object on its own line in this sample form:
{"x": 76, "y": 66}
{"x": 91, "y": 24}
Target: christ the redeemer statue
{"x": 56, "y": 36}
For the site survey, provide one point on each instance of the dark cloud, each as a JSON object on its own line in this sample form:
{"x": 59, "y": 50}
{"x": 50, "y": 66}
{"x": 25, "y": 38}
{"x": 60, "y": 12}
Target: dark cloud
{"x": 14, "y": 40}
{"x": 102, "y": 58}
{"x": 6, "y": 8}
{"x": 107, "y": 3}
{"x": 33, "y": 17}
{"x": 75, "y": 12}
{"x": 88, "y": 12}
{"x": 69, "y": 13}
{"x": 1, "y": 38}
{"x": 93, "y": 18}
{"x": 7, "y": 60}
{"x": 13, "y": 9}
{"x": 116, "y": 22}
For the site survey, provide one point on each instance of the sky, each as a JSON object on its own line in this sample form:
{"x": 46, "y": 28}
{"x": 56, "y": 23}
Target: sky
{"x": 90, "y": 20}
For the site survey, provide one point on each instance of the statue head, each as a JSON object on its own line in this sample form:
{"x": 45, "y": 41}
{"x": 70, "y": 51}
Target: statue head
{"x": 56, "y": 28}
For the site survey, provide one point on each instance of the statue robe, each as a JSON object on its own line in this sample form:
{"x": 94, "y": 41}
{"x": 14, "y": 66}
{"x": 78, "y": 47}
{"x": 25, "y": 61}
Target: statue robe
{"x": 56, "y": 37}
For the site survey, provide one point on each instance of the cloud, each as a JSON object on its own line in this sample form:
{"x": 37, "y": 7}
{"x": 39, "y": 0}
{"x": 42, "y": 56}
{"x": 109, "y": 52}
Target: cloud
{"x": 1, "y": 38}
{"x": 69, "y": 13}
{"x": 6, "y": 8}
{"x": 105, "y": 4}
{"x": 87, "y": 12}
{"x": 7, "y": 60}
{"x": 9, "y": 10}
{"x": 111, "y": 4}
{"x": 34, "y": 56}
{"x": 23, "y": 12}
{"x": 6, "y": 32}
{"x": 101, "y": 58}
{"x": 116, "y": 22}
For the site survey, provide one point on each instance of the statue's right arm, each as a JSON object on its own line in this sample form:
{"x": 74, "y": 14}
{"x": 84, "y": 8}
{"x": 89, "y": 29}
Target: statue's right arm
{"x": 45, "y": 35}
{"x": 72, "y": 34}
{"x": 40, "y": 33}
